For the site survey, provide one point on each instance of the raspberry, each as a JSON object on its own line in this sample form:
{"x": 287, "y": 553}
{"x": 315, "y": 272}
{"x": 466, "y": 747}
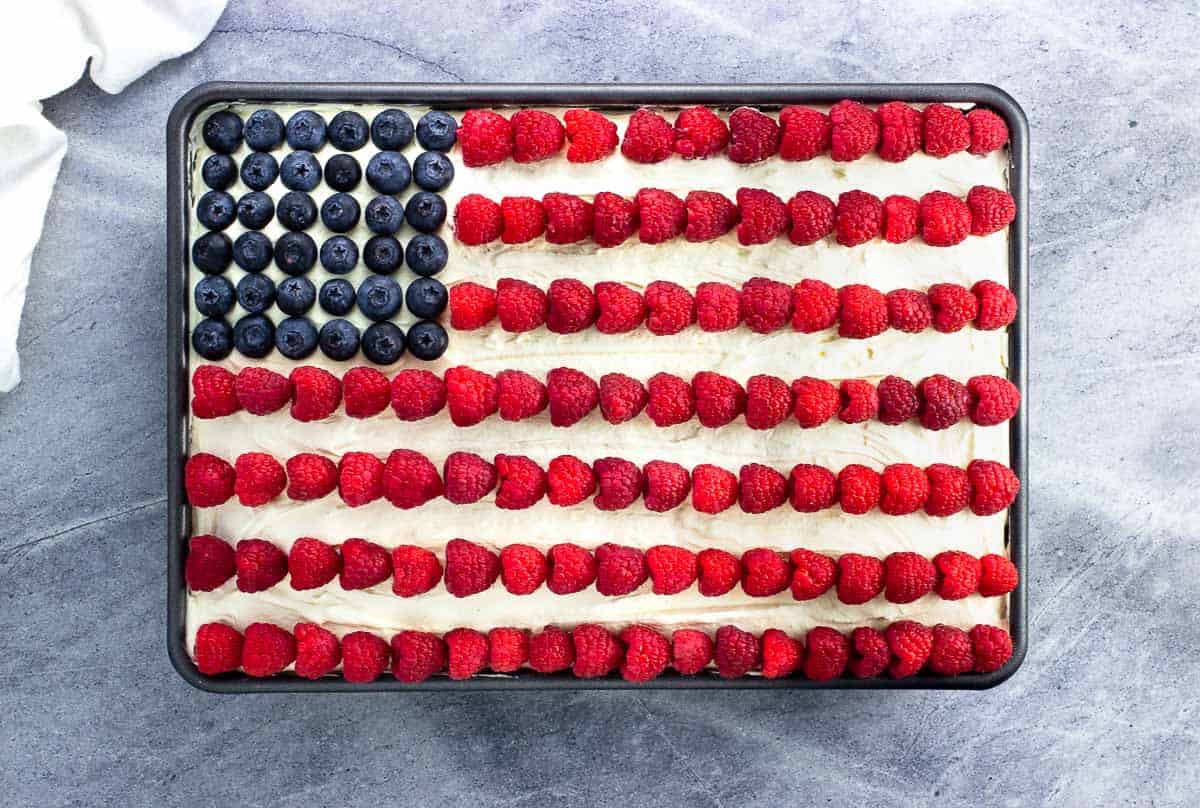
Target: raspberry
{"x": 312, "y": 564}
{"x": 813, "y": 574}
{"x": 736, "y": 652}
{"x": 719, "y": 572}
{"x": 267, "y": 650}
{"x": 218, "y": 649}
{"x": 992, "y": 648}
{"x": 409, "y": 479}
{"x": 614, "y": 219}
{"x": 781, "y": 655}
{"x": 949, "y": 490}
{"x": 669, "y": 308}
{"x": 571, "y": 306}
{"x": 471, "y": 306}
{"x": 988, "y": 131}
{"x": 691, "y": 651}
{"x": 768, "y": 402}
{"x": 762, "y": 216}
{"x": 862, "y": 312}
{"x": 760, "y": 488}
{"x": 471, "y": 395}
{"x": 316, "y": 393}
{"x": 466, "y": 653}
{"x": 814, "y": 488}
{"x": 950, "y": 651}
{"x": 812, "y": 217}
{"x": 415, "y": 570}
{"x": 753, "y": 136}
{"x": 597, "y": 652}
{"x": 260, "y": 565}
{"x": 666, "y": 485}
{"x": 672, "y": 569}
{"x": 210, "y": 563}
{"x": 485, "y": 137}
{"x": 828, "y": 652}
{"x": 364, "y": 657}
{"x": 572, "y": 396}
{"x": 661, "y": 215}
{"x": 814, "y": 306}
{"x": 897, "y": 400}
{"x": 719, "y": 399}
{"x": 945, "y": 130}
{"x": 699, "y": 133}
{"x": 899, "y": 131}
{"x": 718, "y": 306}
{"x": 869, "y": 653}
{"x": 212, "y": 392}
{"x": 905, "y": 489}
{"x": 958, "y": 574}
{"x": 998, "y": 575}
{"x": 519, "y": 395}
{"x": 907, "y": 577}
{"x": 524, "y": 219}
{"x": 997, "y": 305}
{"x": 592, "y": 136}
{"x": 508, "y": 649}
{"x": 944, "y": 402}
{"x": 417, "y": 655}
{"x": 858, "y": 488}
{"x": 765, "y": 305}
{"x": 520, "y": 305}
{"x": 261, "y": 391}
{"x": 360, "y": 478}
{"x": 816, "y": 401}
{"x": 551, "y": 650}
{"x": 992, "y": 210}
{"x": 709, "y": 215}
{"x": 209, "y": 480}
{"x": 910, "y": 644}
{"x": 648, "y": 137}
{"x": 806, "y": 133}
{"x": 901, "y": 218}
{"x": 569, "y": 481}
{"x": 470, "y": 568}
{"x": 859, "y": 218}
{"x": 367, "y": 392}
{"x": 467, "y": 477}
{"x": 568, "y": 218}
{"x": 953, "y": 307}
{"x": 994, "y": 399}
{"x": 260, "y": 478}
{"x": 317, "y": 651}
{"x": 619, "y": 483}
{"x": 860, "y": 578}
{"x": 855, "y": 130}
{"x": 713, "y": 488}
{"x": 945, "y": 219}
{"x": 909, "y": 310}
{"x": 670, "y": 400}
{"x": 621, "y": 308}
{"x": 647, "y": 653}
{"x": 572, "y": 569}
{"x": 536, "y": 135}
{"x": 477, "y": 220}
{"x": 522, "y": 568}
{"x": 764, "y": 572}
{"x": 859, "y": 401}
{"x": 522, "y": 482}
{"x": 621, "y": 397}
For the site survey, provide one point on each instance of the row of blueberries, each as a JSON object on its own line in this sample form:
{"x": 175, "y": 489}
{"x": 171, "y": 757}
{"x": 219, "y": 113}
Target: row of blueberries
{"x": 296, "y": 253}
{"x": 425, "y": 211}
{"x": 378, "y": 297}
{"x": 264, "y": 130}
{"x": 255, "y": 336}
{"x": 387, "y": 172}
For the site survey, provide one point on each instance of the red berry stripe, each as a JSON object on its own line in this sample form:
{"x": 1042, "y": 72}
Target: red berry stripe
{"x": 638, "y": 653}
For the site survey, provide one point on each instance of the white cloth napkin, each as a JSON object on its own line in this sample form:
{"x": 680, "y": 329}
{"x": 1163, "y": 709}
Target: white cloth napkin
{"x": 44, "y": 47}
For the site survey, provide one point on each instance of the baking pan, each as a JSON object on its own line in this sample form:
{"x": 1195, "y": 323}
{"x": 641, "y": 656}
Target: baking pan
{"x": 463, "y": 96}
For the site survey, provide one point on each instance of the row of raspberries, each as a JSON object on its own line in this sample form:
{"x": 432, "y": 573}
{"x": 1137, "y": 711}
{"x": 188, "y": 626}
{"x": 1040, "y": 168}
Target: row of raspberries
{"x": 471, "y": 396}
{"x": 408, "y": 479}
{"x": 615, "y": 570}
{"x": 569, "y": 306}
{"x": 640, "y": 653}
{"x": 759, "y": 216}
{"x": 849, "y": 131}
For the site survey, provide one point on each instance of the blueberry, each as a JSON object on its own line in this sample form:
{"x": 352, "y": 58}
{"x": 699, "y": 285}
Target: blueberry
{"x": 212, "y": 338}
{"x": 300, "y": 171}
{"x": 295, "y": 295}
{"x": 392, "y": 129}
{"x": 342, "y": 172}
{"x": 340, "y": 213}
{"x": 213, "y": 295}
{"x": 426, "y": 340}
{"x": 306, "y": 130}
{"x": 436, "y": 131}
{"x": 348, "y": 131}
{"x": 252, "y": 251}
{"x": 426, "y": 298}
{"x": 388, "y": 172}
{"x": 295, "y": 253}
{"x": 264, "y": 130}
{"x": 383, "y": 343}
{"x": 212, "y": 252}
{"x": 339, "y": 255}
{"x": 379, "y": 297}
{"x": 383, "y": 254}
{"x": 433, "y": 171}
{"x": 296, "y": 337}
{"x": 255, "y": 292}
{"x": 254, "y": 335}
{"x": 425, "y": 211}
{"x": 223, "y": 132}
{"x": 384, "y": 215}
{"x": 337, "y": 296}
{"x": 216, "y": 210}
{"x": 219, "y": 172}
{"x": 259, "y": 170}
{"x": 426, "y": 254}
{"x": 339, "y": 339}
{"x": 296, "y": 210}
{"x": 255, "y": 210}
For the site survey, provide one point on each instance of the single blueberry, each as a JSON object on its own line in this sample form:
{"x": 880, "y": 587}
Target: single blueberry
{"x": 383, "y": 254}
{"x": 295, "y": 295}
{"x": 425, "y": 211}
{"x": 339, "y": 255}
{"x": 426, "y": 254}
{"x": 255, "y": 292}
{"x": 264, "y": 130}
{"x": 254, "y": 335}
{"x": 252, "y": 251}
{"x": 212, "y": 338}
{"x": 433, "y": 171}
{"x": 300, "y": 171}
{"x": 379, "y": 297}
{"x": 392, "y": 129}
{"x": 255, "y": 210}
{"x": 219, "y": 172}
{"x": 426, "y": 298}
{"x": 340, "y": 213}
{"x": 296, "y": 210}
{"x": 383, "y": 343}
{"x": 384, "y": 215}
{"x": 348, "y": 131}
{"x": 337, "y": 296}
{"x": 259, "y": 170}
{"x": 212, "y": 252}
{"x": 306, "y": 130}
{"x": 296, "y": 337}
{"x": 342, "y": 172}
{"x": 216, "y": 210}
{"x": 213, "y": 295}
{"x": 339, "y": 339}
{"x": 223, "y": 132}
{"x": 427, "y": 340}
{"x": 388, "y": 172}
{"x": 436, "y": 131}
{"x": 295, "y": 253}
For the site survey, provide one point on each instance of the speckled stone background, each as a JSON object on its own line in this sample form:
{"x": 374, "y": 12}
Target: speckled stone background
{"x": 1103, "y": 712}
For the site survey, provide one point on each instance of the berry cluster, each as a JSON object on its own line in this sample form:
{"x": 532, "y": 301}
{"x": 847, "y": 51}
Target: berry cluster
{"x": 759, "y": 216}
{"x": 639, "y": 653}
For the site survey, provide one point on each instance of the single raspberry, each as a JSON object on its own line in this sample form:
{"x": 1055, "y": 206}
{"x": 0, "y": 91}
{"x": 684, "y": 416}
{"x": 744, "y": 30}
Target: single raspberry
{"x": 812, "y": 215}
{"x": 855, "y": 131}
{"x": 536, "y": 136}
{"x": 953, "y": 307}
{"x": 267, "y": 650}
{"x": 814, "y": 306}
{"x": 899, "y": 131}
{"x": 519, "y": 395}
{"x": 621, "y": 308}
{"x": 364, "y": 564}
{"x": 761, "y": 488}
{"x": 592, "y": 136}
{"x": 569, "y": 481}
{"x": 210, "y": 563}
{"x": 470, "y": 568}
{"x": 905, "y": 489}
{"x": 814, "y": 488}
{"x": 520, "y": 305}
{"x": 573, "y": 395}
{"x": 672, "y": 569}
{"x": 828, "y": 652}
{"x": 806, "y": 133}
{"x": 718, "y": 306}
{"x": 816, "y": 401}
{"x": 467, "y": 477}
{"x": 569, "y": 218}
{"x": 508, "y": 649}
{"x": 572, "y": 569}
{"x": 597, "y": 652}
{"x": 417, "y": 655}
{"x": 909, "y": 310}
{"x": 551, "y": 650}
{"x": 647, "y": 653}
{"x": 415, "y": 570}
{"x": 813, "y": 574}
{"x": 719, "y": 399}
{"x": 619, "y": 483}
{"x": 719, "y": 572}
{"x": 997, "y": 305}
{"x": 945, "y": 130}
{"x": 907, "y": 577}
{"x": 765, "y": 572}
{"x": 571, "y": 306}
{"x": 901, "y": 218}
{"x": 691, "y": 651}
{"x": 661, "y": 215}
{"x": 992, "y": 210}
{"x": 859, "y": 218}
{"x": 781, "y": 655}
{"x": 862, "y": 312}
{"x": 208, "y": 479}
{"x": 312, "y": 563}
{"x": 762, "y": 216}
{"x": 260, "y": 478}
{"x": 522, "y": 482}
{"x": 409, "y": 479}
{"x": 485, "y": 137}
{"x": 753, "y": 136}
{"x": 648, "y": 137}
{"x": 910, "y": 644}
{"x": 898, "y": 400}
{"x": 670, "y": 400}
{"x": 360, "y": 478}
{"x": 945, "y": 219}
{"x": 477, "y": 220}
{"x": 316, "y": 393}
{"x": 471, "y": 306}
{"x": 994, "y": 399}
{"x": 621, "y": 397}
{"x": 950, "y": 651}
{"x": 666, "y": 485}
{"x": 699, "y": 133}
{"x": 869, "y": 653}
{"x": 858, "y": 488}
{"x": 944, "y": 402}
{"x": 367, "y": 392}
{"x": 713, "y": 488}
{"x": 317, "y": 651}
{"x": 997, "y": 576}
{"x": 768, "y": 401}
{"x": 522, "y": 568}
{"x": 261, "y": 391}
{"x": 859, "y": 579}
{"x": 524, "y": 219}
{"x": 218, "y": 649}
{"x": 260, "y": 565}
{"x": 471, "y": 395}
{"x": 992, "y": 648}
{"x": 213, "y": 393}
{"x": 860, "y": 401}
{"x": 364, "y": 657}
{"x": 988, "y": 131}
{"x": 765, "y": 305}
{"x": 614, "y": 219}
{"x": 669, "y": 308}
{"x": 958, "y": 574}
{"x": 949, "y": 490}
{"x": 736, "y": 652}
{"x": 466, "y": 653}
